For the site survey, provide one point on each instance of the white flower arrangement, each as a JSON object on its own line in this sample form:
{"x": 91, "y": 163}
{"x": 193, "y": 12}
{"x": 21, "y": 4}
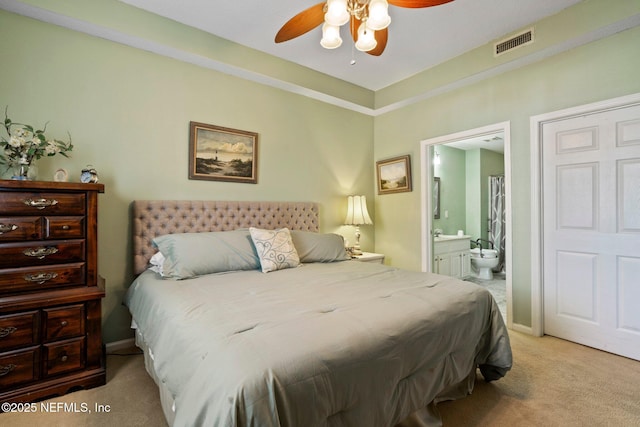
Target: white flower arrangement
{"x": 26, "y": 144}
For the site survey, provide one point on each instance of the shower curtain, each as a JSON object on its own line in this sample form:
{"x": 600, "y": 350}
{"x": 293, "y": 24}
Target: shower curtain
{"x": 497, "y": 218}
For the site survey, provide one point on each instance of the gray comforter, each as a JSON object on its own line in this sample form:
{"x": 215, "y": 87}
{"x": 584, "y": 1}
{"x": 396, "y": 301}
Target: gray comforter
{"x": 346, "y": 343}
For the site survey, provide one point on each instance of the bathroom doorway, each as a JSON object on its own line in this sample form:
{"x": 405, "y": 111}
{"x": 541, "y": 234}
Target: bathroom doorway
{"x": 468, "y": 150}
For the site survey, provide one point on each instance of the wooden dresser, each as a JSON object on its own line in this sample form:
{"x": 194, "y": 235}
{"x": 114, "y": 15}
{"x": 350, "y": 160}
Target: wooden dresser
{"x": 50, "y": 291}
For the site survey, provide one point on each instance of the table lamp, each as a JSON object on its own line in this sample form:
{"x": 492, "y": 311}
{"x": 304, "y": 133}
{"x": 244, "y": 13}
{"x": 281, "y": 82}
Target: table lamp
{"x": 357, "y": 215}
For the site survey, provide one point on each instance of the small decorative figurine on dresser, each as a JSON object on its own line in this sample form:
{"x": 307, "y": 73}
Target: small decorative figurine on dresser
{"x": 50, "y": 291}
{"x": 61, "y": 175}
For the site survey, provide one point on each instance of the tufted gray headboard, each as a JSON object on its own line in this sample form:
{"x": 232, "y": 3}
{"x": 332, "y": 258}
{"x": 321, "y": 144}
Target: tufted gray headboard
{"x": 153, "y": 218}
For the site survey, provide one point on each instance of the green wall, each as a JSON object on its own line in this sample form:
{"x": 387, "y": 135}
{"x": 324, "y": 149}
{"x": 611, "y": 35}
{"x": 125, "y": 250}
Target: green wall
{"x": 473, "y": 189}
{"x": 464, "y": 190}
{"x": 595, "y": 71}
{"x": 128, "y": 113}
{"x": 452, "y": 173}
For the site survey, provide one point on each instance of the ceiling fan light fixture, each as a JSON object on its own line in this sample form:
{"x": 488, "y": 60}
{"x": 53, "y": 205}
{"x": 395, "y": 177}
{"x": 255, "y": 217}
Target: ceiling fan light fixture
{"x": 330, "y": 36}
{"x": 366, "y": 38}
{"x": 379, "y": 18}
{"x": 337, "y": 13}
{"x": 370, "y": 18}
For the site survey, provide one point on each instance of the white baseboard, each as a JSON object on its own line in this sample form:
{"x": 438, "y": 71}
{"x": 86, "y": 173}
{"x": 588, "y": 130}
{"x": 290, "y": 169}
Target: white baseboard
{"x": 120, "y": 345}
{"x": 522, "y": 328}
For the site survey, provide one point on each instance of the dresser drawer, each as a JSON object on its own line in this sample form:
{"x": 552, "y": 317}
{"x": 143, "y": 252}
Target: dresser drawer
{"x": 20, "y": 228}
{"x": 41, "y": 253}
{"x": 19, "y": 366}
{"x": 63, "y": 322}
{"x": 35, "y": 203}
{"x": 64, "y": 227}
{"x": 38, "y": 278}
{"x": 18, "y": 330}
{"x": 64, "y": 356}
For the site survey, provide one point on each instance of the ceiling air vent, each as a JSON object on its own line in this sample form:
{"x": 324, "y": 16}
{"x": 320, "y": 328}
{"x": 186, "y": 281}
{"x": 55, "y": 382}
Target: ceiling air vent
{"x": 511, "y": 43}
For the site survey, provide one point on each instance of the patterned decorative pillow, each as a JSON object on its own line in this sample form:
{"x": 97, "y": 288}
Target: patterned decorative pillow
{"x": 275, "y": 249}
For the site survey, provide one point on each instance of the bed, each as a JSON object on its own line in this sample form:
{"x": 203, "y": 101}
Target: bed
{"x": 324, "y": 341}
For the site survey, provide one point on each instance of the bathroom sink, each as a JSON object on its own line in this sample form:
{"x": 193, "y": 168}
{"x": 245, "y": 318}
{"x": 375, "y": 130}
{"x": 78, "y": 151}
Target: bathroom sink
{"x": 444, "y": 237}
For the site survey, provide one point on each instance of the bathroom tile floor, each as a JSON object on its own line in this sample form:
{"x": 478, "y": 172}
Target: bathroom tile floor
{"x": 498, "y": 288}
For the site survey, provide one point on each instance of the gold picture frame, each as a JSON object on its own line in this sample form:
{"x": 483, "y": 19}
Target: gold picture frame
{"x": 222, "y": 154}
{"x": 394, "y": 175}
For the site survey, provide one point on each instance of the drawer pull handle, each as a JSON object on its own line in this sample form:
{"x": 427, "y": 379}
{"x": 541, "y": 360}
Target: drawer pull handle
{"x": 5, "y": 332}
{"x": 40, "y": 278}
{"x": 65, "y": 227}
{"x": 64, "y": 323}
{"x": 6, "y": 228}
{"x": 4, "y": 370}
{"x": 40, "y": 203}
{"x": 64, "y": 358}
{"x": 40, "y": 252}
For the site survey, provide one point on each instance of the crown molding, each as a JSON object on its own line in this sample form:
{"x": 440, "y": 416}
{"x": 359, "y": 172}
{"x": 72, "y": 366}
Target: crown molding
{"x": 120, "y": 37}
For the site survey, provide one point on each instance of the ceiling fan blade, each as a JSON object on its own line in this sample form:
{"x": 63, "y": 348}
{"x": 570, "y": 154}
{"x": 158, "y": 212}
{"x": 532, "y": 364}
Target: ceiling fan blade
{"x": 415, "y": 4}
{"x": 303, "y": 22}
{"x": 381, "y": 37}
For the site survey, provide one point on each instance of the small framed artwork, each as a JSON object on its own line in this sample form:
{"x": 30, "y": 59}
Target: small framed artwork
{"x": 61, "y": 175}
{"x": 436, "y": 198}
{"x": 222, "y": 154}
{"x": 394, "y": 175}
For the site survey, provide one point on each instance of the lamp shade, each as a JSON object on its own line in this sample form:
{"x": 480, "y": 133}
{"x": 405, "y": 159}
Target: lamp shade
{"x": 357, "y": 213}
{"x": 337, "y": 13}
{"x": 366, "y": 39}
{"x": 379, "y": 18}
{"x": 330, "y": 36}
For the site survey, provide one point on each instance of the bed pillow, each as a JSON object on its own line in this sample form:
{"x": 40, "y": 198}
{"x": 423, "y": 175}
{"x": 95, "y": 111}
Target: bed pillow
{"x": 275, "y": 249}
{"x": 317, "y": 247}
{"x": 190, "y": 255}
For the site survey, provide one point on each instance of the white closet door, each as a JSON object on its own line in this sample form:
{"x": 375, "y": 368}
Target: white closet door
{"x": 591, "y": 230}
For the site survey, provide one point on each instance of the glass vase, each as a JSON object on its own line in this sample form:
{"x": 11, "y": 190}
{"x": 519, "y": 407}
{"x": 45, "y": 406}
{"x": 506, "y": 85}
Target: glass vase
{"x": 24, "y": 172}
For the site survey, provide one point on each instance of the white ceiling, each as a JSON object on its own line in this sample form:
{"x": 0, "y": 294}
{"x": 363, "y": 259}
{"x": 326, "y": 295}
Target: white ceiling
{"x": 418, "y": 38}
{"x": 493, "y": 142}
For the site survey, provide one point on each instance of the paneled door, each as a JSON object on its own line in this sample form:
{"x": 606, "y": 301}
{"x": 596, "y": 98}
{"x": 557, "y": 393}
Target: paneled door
{"x": 591, "y": 229}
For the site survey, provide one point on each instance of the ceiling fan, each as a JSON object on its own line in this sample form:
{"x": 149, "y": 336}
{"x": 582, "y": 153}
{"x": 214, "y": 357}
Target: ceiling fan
{"x": 368, "y": 22}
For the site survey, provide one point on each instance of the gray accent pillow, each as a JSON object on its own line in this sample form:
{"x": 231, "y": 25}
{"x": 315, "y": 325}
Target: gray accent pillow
{"x": 190, "y": 255}
{"x": 317, "y": 247}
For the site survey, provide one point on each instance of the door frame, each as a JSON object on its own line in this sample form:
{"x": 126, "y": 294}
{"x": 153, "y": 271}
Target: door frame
{"x": 426, "y": 171}
{"x": 537, "y": 255}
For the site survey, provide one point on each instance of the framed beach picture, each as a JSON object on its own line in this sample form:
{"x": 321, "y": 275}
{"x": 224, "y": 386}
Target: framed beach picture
{"x": 394, "y": 175}
{"x": 222, "y": 154}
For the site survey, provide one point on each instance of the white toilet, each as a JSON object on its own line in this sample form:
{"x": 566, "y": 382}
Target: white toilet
{"x": 483, "y": 261}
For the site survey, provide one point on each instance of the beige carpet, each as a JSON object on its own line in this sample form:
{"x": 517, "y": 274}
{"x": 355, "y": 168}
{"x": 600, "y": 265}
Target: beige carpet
{"x": 552, "y": 383}
{"x": 131, "y": 394}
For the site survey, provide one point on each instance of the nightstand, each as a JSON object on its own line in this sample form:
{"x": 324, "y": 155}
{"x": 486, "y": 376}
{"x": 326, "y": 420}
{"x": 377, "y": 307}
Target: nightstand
{"x": 370, "y": 257}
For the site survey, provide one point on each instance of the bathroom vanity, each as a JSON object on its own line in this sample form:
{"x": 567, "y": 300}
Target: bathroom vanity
{"x": 451, "y": 255}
